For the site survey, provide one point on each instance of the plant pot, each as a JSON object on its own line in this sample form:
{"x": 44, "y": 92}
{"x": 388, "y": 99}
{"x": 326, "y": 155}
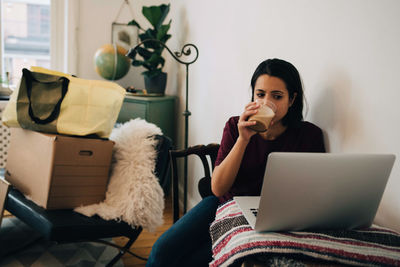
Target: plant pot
{"x": 156, "y": 85}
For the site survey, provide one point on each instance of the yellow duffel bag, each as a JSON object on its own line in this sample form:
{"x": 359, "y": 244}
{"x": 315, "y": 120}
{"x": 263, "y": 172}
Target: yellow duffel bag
{"x": 55, "y": 102}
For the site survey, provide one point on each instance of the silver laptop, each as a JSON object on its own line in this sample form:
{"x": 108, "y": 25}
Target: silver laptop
{"x": 318, "y": 191}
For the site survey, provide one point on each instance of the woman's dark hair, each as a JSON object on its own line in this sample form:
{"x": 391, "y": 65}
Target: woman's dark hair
{"x": 289, "y": 74}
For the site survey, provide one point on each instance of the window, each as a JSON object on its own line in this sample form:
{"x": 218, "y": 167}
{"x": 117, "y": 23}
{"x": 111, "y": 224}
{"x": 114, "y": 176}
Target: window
{"x": 26, "y": 36}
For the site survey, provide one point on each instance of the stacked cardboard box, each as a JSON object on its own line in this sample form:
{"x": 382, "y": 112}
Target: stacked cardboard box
{"x": 57, "y": 171}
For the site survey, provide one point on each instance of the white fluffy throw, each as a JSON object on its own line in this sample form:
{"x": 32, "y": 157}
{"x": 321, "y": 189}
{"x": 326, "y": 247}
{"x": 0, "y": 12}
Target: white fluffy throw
{"x": 134, "y": 194}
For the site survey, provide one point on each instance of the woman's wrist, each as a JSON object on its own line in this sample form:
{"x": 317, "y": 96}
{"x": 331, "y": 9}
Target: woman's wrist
{"x": 241, "y": 141}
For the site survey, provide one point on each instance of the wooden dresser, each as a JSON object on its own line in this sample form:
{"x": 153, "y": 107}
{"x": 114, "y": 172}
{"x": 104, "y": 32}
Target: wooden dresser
{"x": 159, "y": 110}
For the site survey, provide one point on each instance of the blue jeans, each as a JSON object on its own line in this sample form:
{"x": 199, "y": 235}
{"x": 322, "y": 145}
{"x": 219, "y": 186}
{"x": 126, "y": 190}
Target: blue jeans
{"x": 187, "y": 242}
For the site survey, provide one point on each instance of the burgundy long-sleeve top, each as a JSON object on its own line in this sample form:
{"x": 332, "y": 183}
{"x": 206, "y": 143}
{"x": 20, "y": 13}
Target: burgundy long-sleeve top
{"x": 305, "y": 137}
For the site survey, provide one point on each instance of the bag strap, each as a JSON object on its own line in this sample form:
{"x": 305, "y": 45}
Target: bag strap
{"x": 29, "y": 78}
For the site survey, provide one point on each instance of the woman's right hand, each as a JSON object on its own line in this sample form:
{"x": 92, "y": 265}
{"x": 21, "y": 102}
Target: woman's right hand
{"x": 244, "y": 131}
{"x": 224, "y": 175}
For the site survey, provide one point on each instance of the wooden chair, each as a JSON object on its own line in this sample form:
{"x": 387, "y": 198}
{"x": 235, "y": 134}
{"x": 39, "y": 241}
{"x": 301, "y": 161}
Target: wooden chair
{"x": 205, "y": 153}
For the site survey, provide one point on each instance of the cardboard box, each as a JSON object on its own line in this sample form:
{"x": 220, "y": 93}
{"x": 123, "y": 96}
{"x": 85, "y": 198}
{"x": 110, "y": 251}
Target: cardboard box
{"x": 57, "y": 171}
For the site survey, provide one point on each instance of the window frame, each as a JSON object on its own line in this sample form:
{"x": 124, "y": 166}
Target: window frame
{"x": 58, "y": 35}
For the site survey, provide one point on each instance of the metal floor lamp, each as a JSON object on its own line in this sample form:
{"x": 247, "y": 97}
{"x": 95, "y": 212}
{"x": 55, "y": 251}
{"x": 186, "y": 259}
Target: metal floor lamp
{"x": 185, "y": 51}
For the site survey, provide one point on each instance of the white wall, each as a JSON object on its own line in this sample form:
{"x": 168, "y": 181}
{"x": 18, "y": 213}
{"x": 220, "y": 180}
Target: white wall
{"x": 347, "y": 54}
{"x": 346, "y": 51}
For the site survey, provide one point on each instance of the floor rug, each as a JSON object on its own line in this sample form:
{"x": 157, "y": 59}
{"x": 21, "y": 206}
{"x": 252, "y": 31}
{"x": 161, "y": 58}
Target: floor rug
{"x": 21, "y": 246}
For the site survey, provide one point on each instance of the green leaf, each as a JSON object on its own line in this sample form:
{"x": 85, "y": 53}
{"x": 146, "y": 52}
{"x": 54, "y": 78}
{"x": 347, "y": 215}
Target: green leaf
{"x": 166, "y": 37}
{"x": 146, "y": 54}
{"x": 164, "y": 12}
{"x": 156, "y": 14}
{"x": 152, "y": 45}
{"x": 143, "y": 36}
{"x": 159, "y": 50}
{"x": 137, "y": 63}
{"x": 155, "y": 60}
{"x": 147, "y": 66}
{"x": 163, "y": 31}
{"x": 132, "y": 53}
{"x": 134, "y": 22}
{"x": 146, "y": 35}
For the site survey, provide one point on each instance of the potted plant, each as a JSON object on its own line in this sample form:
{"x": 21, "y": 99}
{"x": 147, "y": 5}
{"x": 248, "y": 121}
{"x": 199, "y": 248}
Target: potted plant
{"x": 150, "y": 52}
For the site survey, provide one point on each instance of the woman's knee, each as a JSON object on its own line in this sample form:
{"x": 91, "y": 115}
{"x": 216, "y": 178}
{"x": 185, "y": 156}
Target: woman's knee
{"x": 207, "y": 206}
{"x": 183, "y": 237}
{"x": 162, "y": 252}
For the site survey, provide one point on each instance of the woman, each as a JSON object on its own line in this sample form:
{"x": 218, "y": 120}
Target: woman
{"x": 241, "y": 161}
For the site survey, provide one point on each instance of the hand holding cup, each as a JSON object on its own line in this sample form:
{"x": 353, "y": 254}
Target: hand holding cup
{"x": 264, "y": 116}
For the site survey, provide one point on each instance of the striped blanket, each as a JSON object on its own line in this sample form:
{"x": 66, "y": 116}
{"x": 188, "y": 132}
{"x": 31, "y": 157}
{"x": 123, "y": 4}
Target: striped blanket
{"x": 233, "y": 239}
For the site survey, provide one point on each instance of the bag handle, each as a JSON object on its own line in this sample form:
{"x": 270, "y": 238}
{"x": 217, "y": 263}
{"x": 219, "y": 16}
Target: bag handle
{"x": 29, "y": 78}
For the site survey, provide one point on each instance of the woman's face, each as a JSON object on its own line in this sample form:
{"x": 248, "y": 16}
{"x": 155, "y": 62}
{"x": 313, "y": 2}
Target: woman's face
{"x": 273, "y": 89}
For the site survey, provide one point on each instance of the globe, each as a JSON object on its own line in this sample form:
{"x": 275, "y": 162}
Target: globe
{"x": 111, "y": 63}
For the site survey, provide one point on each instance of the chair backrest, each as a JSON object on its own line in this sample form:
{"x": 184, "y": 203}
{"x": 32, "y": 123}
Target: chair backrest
{"x": 203, "y": 152}
{"x": 162, "y": 163}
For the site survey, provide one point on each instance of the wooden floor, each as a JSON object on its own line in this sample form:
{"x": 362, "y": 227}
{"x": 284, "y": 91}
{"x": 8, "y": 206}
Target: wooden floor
{"x": 145, "y": 241}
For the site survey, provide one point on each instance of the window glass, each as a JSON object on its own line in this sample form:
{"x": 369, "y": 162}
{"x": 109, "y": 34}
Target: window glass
{"x": 26, "y": 36}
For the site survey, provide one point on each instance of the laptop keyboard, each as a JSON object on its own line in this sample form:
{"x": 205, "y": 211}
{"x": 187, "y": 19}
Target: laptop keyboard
{"x": 254, "y": 211}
